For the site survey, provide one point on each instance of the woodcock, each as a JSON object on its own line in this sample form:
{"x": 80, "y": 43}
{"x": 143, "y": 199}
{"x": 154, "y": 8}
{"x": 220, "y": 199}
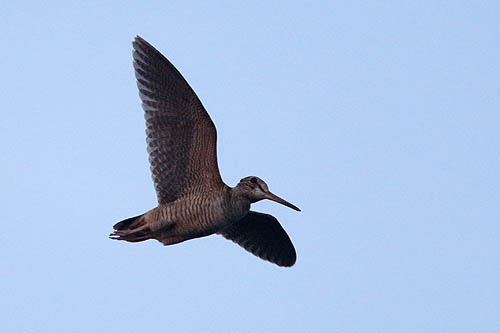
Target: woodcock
{"x": 193, "y": 201}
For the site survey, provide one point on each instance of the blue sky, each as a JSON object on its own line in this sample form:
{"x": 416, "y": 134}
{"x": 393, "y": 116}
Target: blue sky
{"x": 380, "y": 120}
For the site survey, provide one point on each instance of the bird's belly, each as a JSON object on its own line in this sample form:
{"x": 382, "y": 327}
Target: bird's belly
{"x": 192, "y": 218}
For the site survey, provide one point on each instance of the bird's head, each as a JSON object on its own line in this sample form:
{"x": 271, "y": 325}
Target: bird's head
{"x": 255, "y": 189}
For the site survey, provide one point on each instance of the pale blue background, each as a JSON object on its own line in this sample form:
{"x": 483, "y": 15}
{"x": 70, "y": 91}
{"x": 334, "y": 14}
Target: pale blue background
{"x": 381, "y": 120}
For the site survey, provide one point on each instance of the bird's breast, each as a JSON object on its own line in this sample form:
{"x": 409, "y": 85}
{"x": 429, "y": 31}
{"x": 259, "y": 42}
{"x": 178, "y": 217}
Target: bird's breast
{"x": 236, "y": 209}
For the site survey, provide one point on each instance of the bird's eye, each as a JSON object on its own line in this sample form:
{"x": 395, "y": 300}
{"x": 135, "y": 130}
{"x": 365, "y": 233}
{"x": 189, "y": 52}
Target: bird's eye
{"x": 253, "y": 180}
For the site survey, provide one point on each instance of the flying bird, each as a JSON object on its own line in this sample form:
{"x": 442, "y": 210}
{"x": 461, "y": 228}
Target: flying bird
{"x": 193, "y": 201}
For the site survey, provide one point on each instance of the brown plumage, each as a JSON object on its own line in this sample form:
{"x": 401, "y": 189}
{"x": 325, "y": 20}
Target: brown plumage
{"x": 193, "y": 200}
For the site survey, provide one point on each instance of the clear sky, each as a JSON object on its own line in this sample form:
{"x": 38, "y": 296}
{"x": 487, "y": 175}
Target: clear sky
{"x": 380, "y": 120}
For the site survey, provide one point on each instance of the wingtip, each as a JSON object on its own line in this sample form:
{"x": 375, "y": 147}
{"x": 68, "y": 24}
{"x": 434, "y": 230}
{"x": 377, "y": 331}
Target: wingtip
{"x": 288, "y": 262}
{"x": 142, "y": 47}
{"x": 138, "y": 42}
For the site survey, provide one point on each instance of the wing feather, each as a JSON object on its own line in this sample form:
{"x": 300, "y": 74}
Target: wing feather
{"x": 262, "y": 235}
{"x": 180, "y": 135}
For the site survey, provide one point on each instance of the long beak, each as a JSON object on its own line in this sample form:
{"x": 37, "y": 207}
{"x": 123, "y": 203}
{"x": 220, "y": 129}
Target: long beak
{"x": 274, "y": 197}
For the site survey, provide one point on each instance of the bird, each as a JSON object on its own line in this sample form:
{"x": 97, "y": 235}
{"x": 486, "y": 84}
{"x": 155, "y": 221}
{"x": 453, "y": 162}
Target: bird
{"x": 193, "y": 200}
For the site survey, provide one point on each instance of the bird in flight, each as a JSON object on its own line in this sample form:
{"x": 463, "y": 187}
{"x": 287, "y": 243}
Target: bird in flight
{"x": 193, "y": 201}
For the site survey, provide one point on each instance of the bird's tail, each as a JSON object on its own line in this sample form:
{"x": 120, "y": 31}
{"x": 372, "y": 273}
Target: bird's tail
{"x": 133, "y": 229}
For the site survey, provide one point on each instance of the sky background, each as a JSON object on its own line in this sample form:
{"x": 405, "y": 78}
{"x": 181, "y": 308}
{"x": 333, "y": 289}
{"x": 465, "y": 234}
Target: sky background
{"x": 380, "y": 120}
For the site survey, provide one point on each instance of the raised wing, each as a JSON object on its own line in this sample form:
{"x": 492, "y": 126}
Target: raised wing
{"x": 262, "y": 235}
{"x": 181, "y": 137}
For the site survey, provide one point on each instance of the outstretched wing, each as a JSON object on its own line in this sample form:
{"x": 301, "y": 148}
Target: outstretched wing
{"x": 181, "y": 137}
{"x": 262, "y": 235}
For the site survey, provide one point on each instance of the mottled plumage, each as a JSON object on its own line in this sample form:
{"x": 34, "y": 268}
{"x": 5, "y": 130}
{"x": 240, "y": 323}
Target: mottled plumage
{"x": 193, "y": 200}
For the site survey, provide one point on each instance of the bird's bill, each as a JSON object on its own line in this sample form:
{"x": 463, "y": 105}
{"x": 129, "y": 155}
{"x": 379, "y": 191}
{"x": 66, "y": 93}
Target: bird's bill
{"x": 277, "y": 199}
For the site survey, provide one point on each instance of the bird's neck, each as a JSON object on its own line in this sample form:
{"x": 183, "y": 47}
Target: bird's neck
{"x": 239, "y": 201}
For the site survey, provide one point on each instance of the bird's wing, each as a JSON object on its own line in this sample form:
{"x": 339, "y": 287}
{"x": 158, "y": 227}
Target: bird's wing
{"x": 262, "y": 235}
{"x": 181, "y": 137}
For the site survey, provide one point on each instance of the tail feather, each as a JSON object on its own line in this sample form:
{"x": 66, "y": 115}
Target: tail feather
{"x": 130, "y": 223}
{"x": 133, "y": 229}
